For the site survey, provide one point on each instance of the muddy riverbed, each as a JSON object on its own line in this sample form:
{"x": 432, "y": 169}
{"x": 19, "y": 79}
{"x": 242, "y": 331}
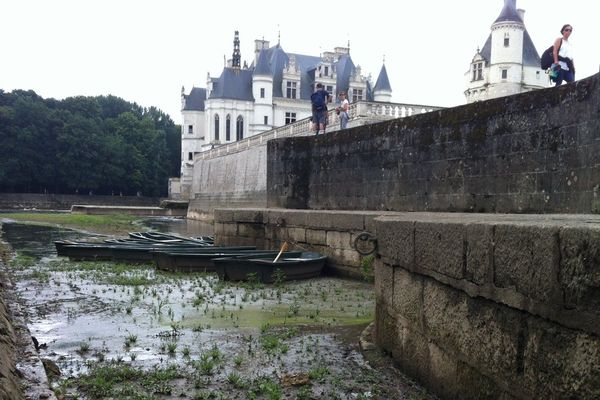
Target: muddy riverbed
{"x": 131, "y": 332}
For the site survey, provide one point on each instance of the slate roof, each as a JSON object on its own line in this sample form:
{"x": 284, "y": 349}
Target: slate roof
{"x": 237, "y": 83}
{"x": 195, "y": 100}
{"x": 509, "y": 14}
{"x": 262, "y": 65}
{"x": 234, "y": 83}
{"x": 383, "y": 82}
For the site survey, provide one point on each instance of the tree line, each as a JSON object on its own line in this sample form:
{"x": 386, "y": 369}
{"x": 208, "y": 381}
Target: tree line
{"x": 103, "y": 145}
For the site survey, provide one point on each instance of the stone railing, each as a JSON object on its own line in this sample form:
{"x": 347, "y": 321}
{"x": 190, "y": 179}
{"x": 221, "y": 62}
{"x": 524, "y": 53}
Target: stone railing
{"x": 360, "y": 113}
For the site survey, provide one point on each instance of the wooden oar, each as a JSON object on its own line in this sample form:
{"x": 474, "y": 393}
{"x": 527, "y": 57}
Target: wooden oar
{"x": 284, "y": 247}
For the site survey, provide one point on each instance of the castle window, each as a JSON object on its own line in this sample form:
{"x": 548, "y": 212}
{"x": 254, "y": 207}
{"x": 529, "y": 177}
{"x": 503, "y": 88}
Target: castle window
{"x": 190, "y": 128}
{"x": 329, "y": 89}
{"x": 504, "y": 74}
{"x": 266, "y": 120}
{"x": 262, "y": 93}
{"x": 216, "y": 126}
{"x": 477, "y": 71}
{"x": 291, "y": 89}
{"x": 190, "y": 156}
{"x": 357, "y": 95}
{"x": 228, "y": 128}
{"x": 290, "y": 117}
{"x": 506, "y": 40}
{"x": 239, "y": 128}
{"x": 326, "y": 71}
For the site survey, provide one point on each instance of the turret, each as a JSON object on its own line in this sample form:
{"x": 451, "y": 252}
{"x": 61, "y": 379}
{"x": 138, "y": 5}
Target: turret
{"x": 382, "y": 90}
{"x": 262, "y": 91}
{"x": 507, "y": 44}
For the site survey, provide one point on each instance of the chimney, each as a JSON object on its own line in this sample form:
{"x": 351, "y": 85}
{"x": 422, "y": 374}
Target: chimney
{"x": 521, "y": 14}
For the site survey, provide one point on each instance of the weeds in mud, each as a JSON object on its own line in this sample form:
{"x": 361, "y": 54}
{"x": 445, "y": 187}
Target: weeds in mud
{"x": 238, "y": 360}
{"x": 265, "y": 386}
{"x": 236, "y": 381}
{"x": 367, "y": 269}
{"x": 21, "y": 261}
{"x": 319, "y": 373}
{"x": 84, "y": 348}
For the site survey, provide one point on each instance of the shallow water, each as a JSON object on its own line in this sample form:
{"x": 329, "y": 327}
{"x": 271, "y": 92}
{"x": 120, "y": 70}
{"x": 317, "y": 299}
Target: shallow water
{"x": 93, "y": 315}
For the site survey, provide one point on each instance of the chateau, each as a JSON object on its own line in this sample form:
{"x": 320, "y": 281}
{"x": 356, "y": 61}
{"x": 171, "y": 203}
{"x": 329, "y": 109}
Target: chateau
{"x": 273, "y": 91}
{"x": 271, "y": 96}
{"x": 508, "y": 63}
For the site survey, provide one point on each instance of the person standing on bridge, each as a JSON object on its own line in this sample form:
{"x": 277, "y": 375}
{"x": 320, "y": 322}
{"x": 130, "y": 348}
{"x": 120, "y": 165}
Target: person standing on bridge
{"x": 563, "y": 56}
{"x": 342, "y": 110}
{"x": 319, "y": 100}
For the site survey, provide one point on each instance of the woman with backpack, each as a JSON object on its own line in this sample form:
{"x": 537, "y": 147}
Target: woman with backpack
{"x": 563, "y": 56}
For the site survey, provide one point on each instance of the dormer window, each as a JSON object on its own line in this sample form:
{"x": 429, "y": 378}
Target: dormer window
{"x": 291, "y": 89}
{"x": 357, "y": 95}
{"x": 477, "y": 71}
{"x": 326, "y": 71}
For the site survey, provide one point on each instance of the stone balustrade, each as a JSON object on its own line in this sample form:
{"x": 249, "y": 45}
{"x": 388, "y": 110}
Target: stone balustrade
{"x": 360, "y": 113}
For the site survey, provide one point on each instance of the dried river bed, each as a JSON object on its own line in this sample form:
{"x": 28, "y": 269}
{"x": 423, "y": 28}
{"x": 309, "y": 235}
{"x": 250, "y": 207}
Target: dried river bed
{"x": 129, "y": 331}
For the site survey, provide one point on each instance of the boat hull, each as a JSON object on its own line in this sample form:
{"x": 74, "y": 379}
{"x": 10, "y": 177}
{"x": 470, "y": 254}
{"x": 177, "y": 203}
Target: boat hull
{"x": 296, "y": 266}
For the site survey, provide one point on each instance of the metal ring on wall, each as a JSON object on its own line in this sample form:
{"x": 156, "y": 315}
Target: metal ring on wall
{"x": 365, "y": 243}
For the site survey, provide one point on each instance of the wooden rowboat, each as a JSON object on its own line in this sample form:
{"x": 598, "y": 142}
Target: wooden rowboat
{"x": 288, "y": 267}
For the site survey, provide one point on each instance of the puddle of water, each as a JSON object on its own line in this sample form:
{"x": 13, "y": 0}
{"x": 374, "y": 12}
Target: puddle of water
{"x": 227, "y": 340}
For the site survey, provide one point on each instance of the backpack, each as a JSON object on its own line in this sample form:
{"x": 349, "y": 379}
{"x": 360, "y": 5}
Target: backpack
{"x": 547, "y": 57}
{"x": 318, "y": 100}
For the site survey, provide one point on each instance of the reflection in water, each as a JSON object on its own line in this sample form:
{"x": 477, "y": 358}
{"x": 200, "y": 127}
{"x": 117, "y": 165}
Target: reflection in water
{"x": 182, "y": 226}
{"x": 38, "y": 240}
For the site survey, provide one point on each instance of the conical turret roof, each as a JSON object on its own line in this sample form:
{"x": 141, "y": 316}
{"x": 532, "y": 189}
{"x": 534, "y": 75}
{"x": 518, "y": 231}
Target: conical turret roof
{"x": 383, "y": 82}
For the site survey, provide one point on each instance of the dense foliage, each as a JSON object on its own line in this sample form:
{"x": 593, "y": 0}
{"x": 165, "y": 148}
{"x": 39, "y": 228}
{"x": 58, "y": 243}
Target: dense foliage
{"x": 103, "y": 145}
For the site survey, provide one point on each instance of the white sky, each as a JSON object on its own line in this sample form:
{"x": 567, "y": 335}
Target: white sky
{"x": 145, "y": 50}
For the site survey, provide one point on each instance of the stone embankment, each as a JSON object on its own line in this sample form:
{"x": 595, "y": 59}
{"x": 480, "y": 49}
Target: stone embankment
{"x": 9, "y": 375}
{"x": 21, "y": 201}
{"x": 22, "y": 374}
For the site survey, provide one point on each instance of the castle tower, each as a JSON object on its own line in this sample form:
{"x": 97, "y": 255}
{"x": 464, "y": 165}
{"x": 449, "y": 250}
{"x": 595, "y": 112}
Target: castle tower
{"x": 382, "y": 90}
{"x": 508, "y": 63}
{"x": 262, "y": 90}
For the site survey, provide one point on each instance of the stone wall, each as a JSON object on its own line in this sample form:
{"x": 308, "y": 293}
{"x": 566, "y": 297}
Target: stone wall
{"x": 233, "y": 180}
{"x": 537, "y": 152}
{"x": 20, "y": 201}
{"x": 492, "y": 306}
{"x": 330, "y": 233}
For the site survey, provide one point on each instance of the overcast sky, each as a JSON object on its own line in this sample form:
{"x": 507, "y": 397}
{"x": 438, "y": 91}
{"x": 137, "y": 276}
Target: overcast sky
{"x": 145, "y": 50}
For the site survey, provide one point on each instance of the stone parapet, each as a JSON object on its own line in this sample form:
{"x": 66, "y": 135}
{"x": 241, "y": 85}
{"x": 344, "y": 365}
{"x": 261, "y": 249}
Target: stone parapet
{"x": 536, "y": 152}
{"x": 492, "y": 306}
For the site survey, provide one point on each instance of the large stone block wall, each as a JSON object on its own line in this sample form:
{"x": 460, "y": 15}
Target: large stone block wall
{"x": 9, "y": 376}
{"x": 234, "y": 180}
{"x": 537, "y": 152}
{"x": 21, "y": 201}
{"x": 328, "y": 232}
{"x": 492, "y": 306}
